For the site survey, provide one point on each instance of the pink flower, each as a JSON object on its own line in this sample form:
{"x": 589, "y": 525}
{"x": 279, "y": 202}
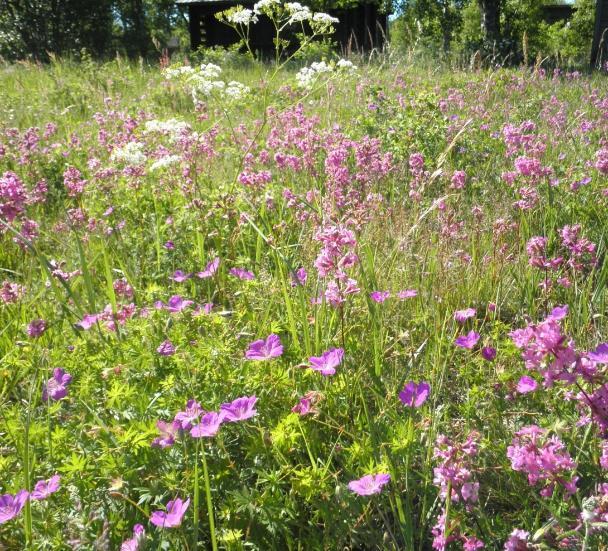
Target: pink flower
{"x": 261, "y": 349}
{"x": 407, "y": 293}
{"x": 166, "y": 348}
{"x": 56, "y": 387}
{"x": 518, "y": 541}
{"x": 210, "y": 269}
{"x": 239, "y": 409}
{"x": 369, "y": 484}
{"x": 175, "y": 304}
{"x": 44, "y": 488}
{"x": 600, "y": 354}
{"x": 209, "y": 425}
{"x": 88, "y": 321}
{"x": 168, "y": 430}
{"x": 327, "y": 362}
{"x": 189, "y": 415}
{"x": 379, "y": 296}
{"x": 173, "y": 516}
{"x": 306, "y": 404}
{"x": 463, "y": 315}
{"x": 415, "y": 394}
{"x": 36, "y": 328}
{"x": 179, "y": 276}
{"x": 10, "y": 506}
{"x": 526, "y": 384}
{"x": 467, "y": 341}
{"x": 241, "y": 273}
{"x": 134, "y": 543}
{"x": 488, "y": 353}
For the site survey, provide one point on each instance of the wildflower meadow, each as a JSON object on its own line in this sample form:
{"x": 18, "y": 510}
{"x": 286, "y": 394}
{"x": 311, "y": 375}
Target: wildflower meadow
{"x": 302, "y": 305}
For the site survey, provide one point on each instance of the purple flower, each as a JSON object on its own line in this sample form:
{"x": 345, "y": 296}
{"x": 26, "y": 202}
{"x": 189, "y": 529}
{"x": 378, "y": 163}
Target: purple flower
{"x": 179, "y": 276}
{"x": 44, "y": 488}
{"x": 265, "y": 349}
{"x": 210, "y": 269}
{"x": 415, "y": 394}
{"x": 369, "y": 484}
{"x": 299, "y": 277}
{"x": 488, "y": 353}
{"x": 239, "y": 409}
{"x": 132, "y": 544}
{"x": 166, "y": 348}
{"x": 600, "y": 354}
{"x": 168, "y": 430}
{"x": 174, "y": 515}
{"x": 88, "y": 321}
{"x": 558, "y": 313}
{"x": 169, "y": 245}
{"x": 36, "y": 328}
{"x": 209, "y": 425}
{"x": 463, "y": 315}
{"x": 177, "y": 304}
{"x": 10, "y": 506}
{"x": 56, "y": 387}
{"x": 327, "y": 362}
{"x": 191, "y": 413}
{"x": 526, "y": 384}
{"x": 241, "y": 273}
{"x": 467, "y": 341}
{"x": 379, "y": 296}
{"x": 407, "y": 293}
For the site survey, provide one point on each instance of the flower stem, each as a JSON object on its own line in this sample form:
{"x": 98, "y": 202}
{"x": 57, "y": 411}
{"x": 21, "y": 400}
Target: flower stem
{"x": 209, "y": 502}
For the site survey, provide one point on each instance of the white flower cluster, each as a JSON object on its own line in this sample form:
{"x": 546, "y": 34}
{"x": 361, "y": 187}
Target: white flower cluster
{"x": 324, "y": 18}
{"x": 178, "y": 73}
{"x": 131, "y": 154}
{"x": 298, "y": 12}
{"x": 164, "y": 162}
{"x": 243, "y": 16}
{"x": 236, "y": 90}
{"x": 308, "y": 76}
{"x": 264, "y": 6}
{"x": 172, "y": 127}
{"x": 205, "y": 82}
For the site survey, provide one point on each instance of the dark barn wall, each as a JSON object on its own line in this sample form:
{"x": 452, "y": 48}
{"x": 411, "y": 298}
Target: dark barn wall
{"x": 360, "y": 28}
{"x": 599, "y": 52}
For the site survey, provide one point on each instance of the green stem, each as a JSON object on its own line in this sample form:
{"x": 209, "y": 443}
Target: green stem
{"x": 196, "y": 496}
{"x": 209, "y": 503}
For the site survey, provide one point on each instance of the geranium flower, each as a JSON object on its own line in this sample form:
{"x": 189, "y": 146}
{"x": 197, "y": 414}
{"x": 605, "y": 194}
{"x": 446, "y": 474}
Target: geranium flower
{"x": 526, "y": 384}
{"x": 166, "y": 348}
{"x": 369, "y": 484}
{"x": 179, "y": 276}
{"x": 600, "y": 354}
{"x": 133, "y": 544}
{"x": 467, "y": 341}
{"x": 239, "y": 409}
{"x": 210, "y": 269}
{"x": 56, "y": 387}
{"x": 379, "y": 296}
{"x": 463, "y": 315}
{"x": 306, "y": 404}
{"x": 327, "y": 362}
{"x": 173, "y": 516}
{"x": 175, "y": 304}
{"x": 488, "y": 353}
{"x": 241, "y": 273}
{"x": 44, "y": 488}
{"x": 11, "y": 505}
{"x": 208, "y": 425}
{"x": 265, "y": 349}
{"x": 415, "y": 394}
{"x": 168, "y": 430}
{"x": 191, "y": 413}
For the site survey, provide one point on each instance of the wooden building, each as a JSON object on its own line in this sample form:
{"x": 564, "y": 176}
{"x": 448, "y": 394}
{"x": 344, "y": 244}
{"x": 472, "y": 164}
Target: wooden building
{"x": 362, "y": 27}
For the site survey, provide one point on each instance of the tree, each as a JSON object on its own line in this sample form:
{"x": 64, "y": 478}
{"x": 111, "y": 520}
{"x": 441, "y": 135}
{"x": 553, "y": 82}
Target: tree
{"x": 490, "y": 19}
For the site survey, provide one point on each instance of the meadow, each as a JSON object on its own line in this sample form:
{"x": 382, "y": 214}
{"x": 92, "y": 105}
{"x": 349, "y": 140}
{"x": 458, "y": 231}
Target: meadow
{"x": 355, "y": 305}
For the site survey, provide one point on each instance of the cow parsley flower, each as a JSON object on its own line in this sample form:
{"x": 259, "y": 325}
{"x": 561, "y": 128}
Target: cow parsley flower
{"x": 130, "y": 154}
{"x": 242, "y": 16}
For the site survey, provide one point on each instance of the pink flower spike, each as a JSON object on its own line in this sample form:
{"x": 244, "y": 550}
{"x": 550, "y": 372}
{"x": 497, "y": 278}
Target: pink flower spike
{"x": 379, "y": 296}
{"x": 463, "y": 315}
{"x": 467, "y": 341}
{"x": 415, "y": 394}
{"x": 166, "y": 348}
{"x": 208, "y": 426}
{"x": 369, "y": 484}
{"x": 526, "y": 384}
{"x": 261, "y": 350}
{"x": 210, "y": 269}
{"x": 407, "y": 293}
{"x": 88, "y": 321}
{"x": 600, "y": 354}
{"x": 173, "y": 516}
{"x": 44, "y": 488}
{"x": 327, "y": 362}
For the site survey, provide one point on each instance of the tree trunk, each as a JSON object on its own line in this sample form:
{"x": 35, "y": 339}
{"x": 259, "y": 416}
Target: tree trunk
{"x": 490, "y": 19}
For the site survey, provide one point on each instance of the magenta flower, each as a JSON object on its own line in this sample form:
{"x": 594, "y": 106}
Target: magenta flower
{"x": 379, "y": 296}
{"x": 327, "y": 362}
{"x": 407, "y": 293}
{"x": 179, "y": 276}
{"x": 299, "y": 277}
{"x": 44, "y": 488}
{"x": 526, "y": 384}
{"x": 369, "y": 484}
{"x": 11, "y": 505}
{"x": 415, "y": 394}
{"x": 88, "y": 321}
{"x": 265, "y": 349}
{"x": 166, "y": 348}
{"x": 488, "y": 353}
{"x": 174, "y": 304}
{"x": 467, "y": 341}
{"x": 239, "y": 409}
{"x": 463, "y": 315}
{"x": 189, "y": 415}
{"x": 36, "y": 328}
{"x": 306, "y": 404}
{"x": 56, "y": 387}
{"x": 210, "y": 269}
{"x": 241, "y": 273}
{"x": 168, "y": 430}
{"x": 169, "y": 245}
{"x": 134, "y": 543}
{"x": 600, "y": 354}
{"x": 209, "y": 425}
{"x": 173, "y": 516}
